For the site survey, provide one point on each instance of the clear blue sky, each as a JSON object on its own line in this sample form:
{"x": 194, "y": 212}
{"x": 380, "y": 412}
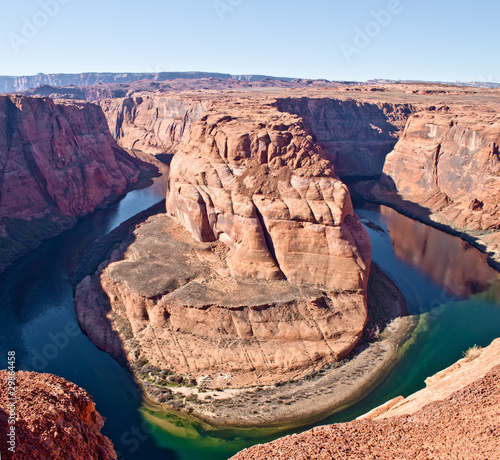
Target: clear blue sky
{"x": 425, "y": 39}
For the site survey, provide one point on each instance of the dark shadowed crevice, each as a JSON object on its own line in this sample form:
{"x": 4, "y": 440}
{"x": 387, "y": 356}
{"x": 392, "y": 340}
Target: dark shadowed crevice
{"x": 269, "y": 240}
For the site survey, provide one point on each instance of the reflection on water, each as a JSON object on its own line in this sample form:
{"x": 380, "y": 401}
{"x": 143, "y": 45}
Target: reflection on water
{"x": 446, "y": 259}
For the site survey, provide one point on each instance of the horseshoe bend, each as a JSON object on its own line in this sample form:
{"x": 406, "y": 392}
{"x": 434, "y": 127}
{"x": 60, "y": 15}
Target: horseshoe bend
{"x": 248, "y": 297}
{"x": 256, "y": 275}
{"x": 241, "y": 302}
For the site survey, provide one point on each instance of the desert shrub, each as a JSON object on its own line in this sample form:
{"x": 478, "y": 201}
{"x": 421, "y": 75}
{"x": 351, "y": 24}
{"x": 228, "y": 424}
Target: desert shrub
{"x": 472, "y": 353}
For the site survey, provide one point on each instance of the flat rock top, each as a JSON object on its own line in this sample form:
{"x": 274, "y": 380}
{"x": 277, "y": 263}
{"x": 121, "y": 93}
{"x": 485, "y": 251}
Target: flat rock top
{"x": 165, "y": 260}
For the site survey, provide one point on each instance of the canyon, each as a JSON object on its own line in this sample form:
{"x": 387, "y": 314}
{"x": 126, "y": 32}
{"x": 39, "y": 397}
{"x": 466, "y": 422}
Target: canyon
{"x": 54, "y": 419}
{"x": 254, "y": 278}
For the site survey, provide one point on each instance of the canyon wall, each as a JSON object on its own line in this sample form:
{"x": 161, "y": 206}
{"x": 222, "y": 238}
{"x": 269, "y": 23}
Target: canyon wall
{"x": 448, "y": 162}
{"x": 356, "y": 136}
{"x": 58, "y": 162}
{"x": 55, "y": 419}
{"x": 151, "y": 122}
{"x": 456, "y": 416}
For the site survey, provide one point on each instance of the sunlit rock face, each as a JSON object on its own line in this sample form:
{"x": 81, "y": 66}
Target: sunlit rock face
{"x": 257, "y": 182}
{"x": 448, "y": 162}
{"x": 152, "y": 123}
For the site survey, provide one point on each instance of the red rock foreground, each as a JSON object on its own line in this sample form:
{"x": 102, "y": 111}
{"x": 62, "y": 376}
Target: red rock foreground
{"x": 456, "y": 417}
{"x": 55, "y": 420}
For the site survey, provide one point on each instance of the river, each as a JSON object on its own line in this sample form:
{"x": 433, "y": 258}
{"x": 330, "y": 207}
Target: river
{"x": 445, "y": 281}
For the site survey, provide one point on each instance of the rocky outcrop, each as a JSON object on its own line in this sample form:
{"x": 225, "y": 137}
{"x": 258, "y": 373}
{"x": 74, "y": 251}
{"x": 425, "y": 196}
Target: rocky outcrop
{"x": 456, "y": 416}
{"x": 54, "y": 419}
{"x": 256, "y": 181}
{"x": 58, "y": 162}
{"x": 355, "y": 135}
{"x": 151, "y": 122}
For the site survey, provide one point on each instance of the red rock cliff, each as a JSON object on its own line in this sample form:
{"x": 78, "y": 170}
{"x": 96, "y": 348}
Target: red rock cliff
{"x": 58, "y": 162}
{"x": 151, "y": 122}
{"x": 448, "y": 161}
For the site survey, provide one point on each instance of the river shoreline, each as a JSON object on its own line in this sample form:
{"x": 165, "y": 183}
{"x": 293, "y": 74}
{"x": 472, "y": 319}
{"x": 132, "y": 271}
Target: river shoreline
{"x": 313, "y": 398}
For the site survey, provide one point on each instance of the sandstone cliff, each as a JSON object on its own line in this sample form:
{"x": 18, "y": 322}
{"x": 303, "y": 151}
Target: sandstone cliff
{"x": 55, "y": 419}
{"x": 58, "y": 162}
{"x": 150, "y": 122}
{"x": 356, "y": 135}
{"x": 456, "y": 416}
{"x": 448, "y": 161}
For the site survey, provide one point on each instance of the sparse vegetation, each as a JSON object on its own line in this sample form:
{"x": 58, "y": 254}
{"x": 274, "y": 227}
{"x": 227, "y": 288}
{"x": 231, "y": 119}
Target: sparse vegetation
{"x": 472, "y": 353}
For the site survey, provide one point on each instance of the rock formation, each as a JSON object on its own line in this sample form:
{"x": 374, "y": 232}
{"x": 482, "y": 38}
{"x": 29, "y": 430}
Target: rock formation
{"x": 270, "y": 275}
{"x": 58, "y": 162}
{"x": 258, "y": 183}
{"x": 456, "y": 416}
{"x": 356, "y": 136}
{"x": 55, "y": 419}
{"x": 448, "y": 161}
{"x": 151, "y": 122}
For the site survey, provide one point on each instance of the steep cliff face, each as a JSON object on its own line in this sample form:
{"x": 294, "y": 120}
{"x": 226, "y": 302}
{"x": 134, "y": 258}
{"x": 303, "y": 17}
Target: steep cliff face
{"x": 355, "y": 136}
{"x": 448, "y": 162}
{"x": 58, "y": 162}
{"x": 456, "y": 416}
{"x": 54, "y": 419}
{"x": 150, "y": 122}
{"x": 256, "y": 181}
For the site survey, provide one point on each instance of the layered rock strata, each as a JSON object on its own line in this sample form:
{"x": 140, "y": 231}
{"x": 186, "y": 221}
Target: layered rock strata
{"x": 355, "y": 135}
{"x": 446, "y": 170}
{"x": 58, "y": 162}
{"x": 456, "y": 416}
{"x": 54, "y": 419}
{"x": 150, "y": 122}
